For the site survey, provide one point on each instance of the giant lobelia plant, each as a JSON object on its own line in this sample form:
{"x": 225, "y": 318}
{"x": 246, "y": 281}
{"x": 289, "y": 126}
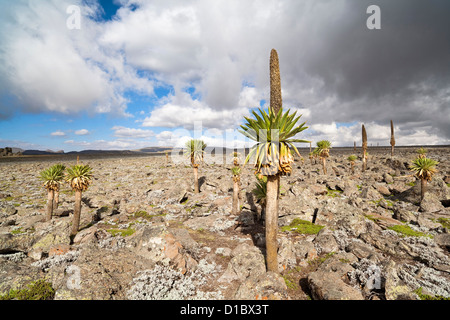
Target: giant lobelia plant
{"x": 424, "y": 169}
{"x": 195, "y": 150}
{"x": 274, "y": 136}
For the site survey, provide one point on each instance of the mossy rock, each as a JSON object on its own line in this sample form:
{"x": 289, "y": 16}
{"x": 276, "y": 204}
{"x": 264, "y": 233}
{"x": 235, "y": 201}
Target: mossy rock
{"x": 36, "y": 290}
{"x": 302, "y": 227}
{"x": 406, "y": 231}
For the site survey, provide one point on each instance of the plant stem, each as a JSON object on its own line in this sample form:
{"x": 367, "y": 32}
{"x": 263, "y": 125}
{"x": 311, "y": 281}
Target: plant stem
{"x": 76, "y": 214}
{"x": 272, "y": 223}
{"x": 49, "y": 205}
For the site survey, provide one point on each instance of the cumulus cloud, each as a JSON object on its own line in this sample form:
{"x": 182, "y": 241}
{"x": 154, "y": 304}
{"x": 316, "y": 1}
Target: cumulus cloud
{"x": 229, "y": 138}
{"x": 45, "y": 66}
{"x": 82, "y": 132}
{"x": 181, "y": 110}
{"x": 123, "y": 132}
{"x": 333, "y": 69}
{"x": 58, "y": 134}
{"x": 118, "y": 144}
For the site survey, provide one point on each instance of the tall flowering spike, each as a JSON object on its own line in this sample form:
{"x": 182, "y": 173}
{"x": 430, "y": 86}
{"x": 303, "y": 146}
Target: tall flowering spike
{"x": 364, "y": 139}
{"x": 392, "y": 138}
{"x": 364, "y": 147}
{"x": 275, "y": 82}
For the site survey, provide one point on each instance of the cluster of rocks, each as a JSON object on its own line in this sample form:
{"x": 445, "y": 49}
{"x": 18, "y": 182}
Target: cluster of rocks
{"x": 144, "y": 234}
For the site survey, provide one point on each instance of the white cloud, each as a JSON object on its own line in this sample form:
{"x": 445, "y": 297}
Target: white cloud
{"x": 82, "y": 132}
{"x": 58, "y": 134}
{"x": 47, "y": 67}
{"x": 331, "y": 69}
{"x": 119, "y": 144}
{"x": 181, "y": 110}
{"x": 123, "y": 132}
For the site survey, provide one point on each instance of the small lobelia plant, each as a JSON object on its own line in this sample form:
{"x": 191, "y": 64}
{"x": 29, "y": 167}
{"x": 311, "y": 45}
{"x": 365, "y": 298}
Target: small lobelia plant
{"x": 311, "y": 156}
{"x": 323, "y": 151}
{"x": 422, "y": 153}
{"x": 352, "y": 159}
{"x": 195, "y": 150}
{"x": 260, "y": 192}
{"x": 236, "y": 171}
{"x": 424, "y": 169}
{"x": 52, "y": 178}
{"x": 79, "y": 178}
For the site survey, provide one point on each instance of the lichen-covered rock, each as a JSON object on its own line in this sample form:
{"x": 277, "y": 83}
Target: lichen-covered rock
{"x": 430, "y": 203}
{"x": 165, "y": 283}
{"x": 247, "y": 261}
{"x": 269, "y": 285}
{"x": 329, "y": 286}
{"x": 325, "y": 242}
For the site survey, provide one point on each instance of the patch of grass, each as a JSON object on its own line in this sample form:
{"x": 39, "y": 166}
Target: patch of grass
{"x": 371, "y": 218}
{"x": 445, "y": 222}
{"x": 143, "y": 214}
{"x": 428, "y": 297}
{"x": 411, "y": 184}
{"x": 405, "y": 230}
{"x": 388, "y": 202}
{"x": 37, "y": 290}
{"x": 17, "y": 231}
{"x": 302, "y": 227}
{"x": 333, "y": 193}
{"x": 123, "y": 232}
{"x": 319, "y": 260}
{"x": 290, "y": 283}
{"x": 9, "y": 198}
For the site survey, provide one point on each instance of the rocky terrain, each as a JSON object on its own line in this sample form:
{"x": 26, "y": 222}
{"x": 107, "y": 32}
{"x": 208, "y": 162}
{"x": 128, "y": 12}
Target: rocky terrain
{"x": 144, "y": 234}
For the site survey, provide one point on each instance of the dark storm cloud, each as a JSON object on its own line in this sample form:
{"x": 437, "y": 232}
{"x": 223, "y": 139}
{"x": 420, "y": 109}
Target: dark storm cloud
{"x": 400, "y": 72}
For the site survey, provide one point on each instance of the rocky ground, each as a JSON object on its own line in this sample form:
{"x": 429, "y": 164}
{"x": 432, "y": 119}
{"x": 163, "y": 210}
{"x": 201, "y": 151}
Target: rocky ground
{"x": 144, "y": 234}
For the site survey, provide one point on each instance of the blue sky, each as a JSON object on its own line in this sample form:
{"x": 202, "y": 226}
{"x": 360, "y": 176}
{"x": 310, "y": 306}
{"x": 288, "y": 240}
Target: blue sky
{"x": 154, "y": 73}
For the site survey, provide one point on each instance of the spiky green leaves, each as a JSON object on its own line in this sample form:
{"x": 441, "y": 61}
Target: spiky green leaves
{"x": 236, "y": 171}
{"x": 260, "y": 190}
{"x": 274, "y": 136}
{"x": 52, "y": 176}
{"x": 422, "y": 152}
{"x": 79, "y": 177}
{"x": 195, "y": 150}
{"x": 352, "y": 158}
{"x": 323, "y": 148}
{"x": 423, "y": 168}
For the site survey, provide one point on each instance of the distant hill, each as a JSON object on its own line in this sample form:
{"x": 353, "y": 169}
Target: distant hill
{"x": 153, "y": 149}
{"x": 41, "y": 152}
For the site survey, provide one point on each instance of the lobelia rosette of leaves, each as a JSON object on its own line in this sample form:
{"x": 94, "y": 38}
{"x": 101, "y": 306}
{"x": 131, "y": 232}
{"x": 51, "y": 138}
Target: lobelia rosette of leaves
{"x": 52, "y": 176}
{"x": 423, "y": 168}
{"x": 195, "y": 150}
{"x": 323, "y": 148}
{"x": 79, "y": 177}
{"x": 274, "y": 136}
